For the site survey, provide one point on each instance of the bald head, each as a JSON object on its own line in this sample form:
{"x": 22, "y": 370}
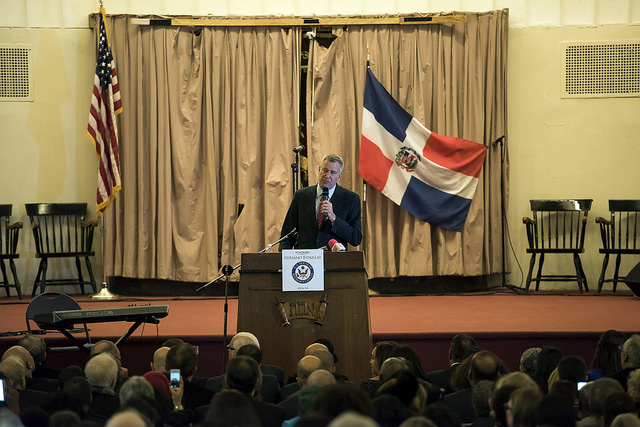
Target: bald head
{"x": 312, "y": 348}
{"x": 128, "y": 418}
{"x": 326, "y": 358}
{"x": 13, "y": 368}
{"x": 305, "y": 367}
{"x": 159, "y": 359}
{"x": 24, "y": 355}
{"x": 321, "y": 378}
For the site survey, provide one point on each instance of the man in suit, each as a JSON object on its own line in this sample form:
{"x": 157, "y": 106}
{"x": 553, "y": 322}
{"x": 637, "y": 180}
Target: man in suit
{"x": 317, "y": 221}
{"x": 460, "y": 347}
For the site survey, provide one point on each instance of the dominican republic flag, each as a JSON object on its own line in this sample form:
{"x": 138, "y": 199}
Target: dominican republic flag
{"x": 434, "y": 177}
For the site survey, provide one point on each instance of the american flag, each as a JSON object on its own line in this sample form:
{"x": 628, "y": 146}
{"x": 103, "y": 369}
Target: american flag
{"x": 102, "y": 129}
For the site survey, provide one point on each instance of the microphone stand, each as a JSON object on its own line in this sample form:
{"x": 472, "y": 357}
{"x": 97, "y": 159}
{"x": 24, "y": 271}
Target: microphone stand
{"x": 227, "y": 271}
{"x": 295, "y": 170}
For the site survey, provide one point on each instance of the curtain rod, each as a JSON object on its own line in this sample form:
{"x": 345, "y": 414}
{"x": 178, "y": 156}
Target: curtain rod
{"x": 294, "y": 21}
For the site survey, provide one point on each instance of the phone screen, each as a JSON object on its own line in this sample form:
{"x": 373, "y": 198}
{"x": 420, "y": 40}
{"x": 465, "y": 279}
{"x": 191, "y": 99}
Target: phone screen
{"x": 174, "y": 378}
{"x": 1, "y": 390}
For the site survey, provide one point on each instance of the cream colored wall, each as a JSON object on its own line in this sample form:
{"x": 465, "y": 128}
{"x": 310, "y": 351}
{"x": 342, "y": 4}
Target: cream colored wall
{"x": 558, "y": 147}
{"x": 567, "y": 148}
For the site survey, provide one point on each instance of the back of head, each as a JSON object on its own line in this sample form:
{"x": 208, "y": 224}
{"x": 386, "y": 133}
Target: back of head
{"x": 403, "y": 385}
{"x": 459, "y": 345}
{"x": 306, "y": 366}
{"x": 136, "y": 386}
{"x": 128, "y": 418}
{"x": 626, "y": 420}
{"x": 13, "y": 368}
{"x": 244, "y": 338}
{"x": 101, "y": 371}
{"x": 64, "y": 419}
{"x": 78, "y": 392}
{"x": 412, "y": 357}
{"x": 547, "y": 361}
{"x": 617, "y": 403}
{"x": 607, "y": 354}
{"x": 554, "y": 410}
{"x": 231, "y": 408}
{"x": 524, "y": 402}
{"x": 327, "y": 343}
{"x": 242, "y": 374}
{"x": 326, "y": 359}
{"x": 383, "y": 350}
{"x": 633, "y": 385}
{"x": 485, "y": 365}
{"x": 105, "y": 346}
{"x": 172, "y": 341}
{"x": 36, "y": 346}
{"x": 529, "y": 361}
{"x": 251, "y": 350}
{"x": 572, "y": 368}
{"x": 391, "y": 366}
{"x": 335, "y": 399}
{"x": 184, "y": 357}
{"x": 442, "y": 415}
{"x": 353, "y": 419}
{"x": 631, "y": 351}
{"x": 600, "y": 390}
{"x": 321, "y": 378}
{"x": 69, "y": 372}
{"x": 480, "y": 395}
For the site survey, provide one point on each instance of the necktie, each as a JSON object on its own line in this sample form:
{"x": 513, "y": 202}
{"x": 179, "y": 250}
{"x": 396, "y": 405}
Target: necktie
{"x": 320, "y": 217}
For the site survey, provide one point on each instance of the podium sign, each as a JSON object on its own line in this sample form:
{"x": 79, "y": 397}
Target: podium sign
{"x": 303, "y": 270}
{"x": 286, "y": 322}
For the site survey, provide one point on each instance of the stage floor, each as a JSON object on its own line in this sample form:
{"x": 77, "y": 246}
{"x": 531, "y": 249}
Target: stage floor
{"x": 504, "y": 322}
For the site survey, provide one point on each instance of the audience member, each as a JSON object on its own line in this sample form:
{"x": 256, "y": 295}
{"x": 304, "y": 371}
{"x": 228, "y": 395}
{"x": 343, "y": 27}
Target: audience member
{"x": 335, "y": 399}
{"x": 159, "y": 360}
{"x": 184, "y": 357}
{"x": 270, "y": 391}
{"x": 521, "y": 406}
{"x": 389, "y": 410}
{"x": 128, "y": 418}
{"x": 442, "y": 415}
{"x": 555, "y": 411}
{"x": 547, "y": 361}
{"x": 65, "y": 419}
{"x": 379, "y": 354}
{"x": 504, "y": 386}
{"x": 572, "y": 368}
{"x": 633, "y": 386}
{"x": 109, "y": 347}
{"x": 136, "y": 386}
{"x": 102, "y": 373}
{"x": 600, "y": 390}
{"x": 629, "y": 360}
{"x": 480, "y": 399}
{"x": 606, "y": 359}
{"x": 44, "y": 378}
{"x": 626, "y": 420}
{"x": 78, "y": 396}
{"x": 304, "y": 367}
{"x": 353, "y": 419}
{"x": 485, "y": 365}
{"x": 231, "y": 408}
{"x": 529, "y": 361}
{"x": 244, "y": 338}
{"x": 617, "y": 403}
{"x": 243, "y": 374}
{"x": 405, "y": 386}
{"x": 458, "y": 348}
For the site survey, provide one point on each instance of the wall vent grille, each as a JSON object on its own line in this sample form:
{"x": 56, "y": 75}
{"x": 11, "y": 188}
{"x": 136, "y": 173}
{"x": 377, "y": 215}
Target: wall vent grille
{"x": 15, "y": 73}
{"x": 601, "y": 69}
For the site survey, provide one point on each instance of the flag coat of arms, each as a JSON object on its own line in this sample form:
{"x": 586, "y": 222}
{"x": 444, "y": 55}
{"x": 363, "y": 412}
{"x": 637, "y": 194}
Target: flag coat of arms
{"x": 433, "y": 177}
{"x": 102, "y": 128}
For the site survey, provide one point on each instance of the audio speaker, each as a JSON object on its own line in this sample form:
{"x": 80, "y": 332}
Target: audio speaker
{"x": 633, "y": 280}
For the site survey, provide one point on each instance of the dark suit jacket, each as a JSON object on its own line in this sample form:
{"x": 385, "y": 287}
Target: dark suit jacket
{"x": 269, "y": 414}
{"x": 460, "y": 402}
{"x": 291, "y": 406}
{"x": 347, "y": 228}
{"x": 442, "y": 378}
{"x": 270, "y": 390}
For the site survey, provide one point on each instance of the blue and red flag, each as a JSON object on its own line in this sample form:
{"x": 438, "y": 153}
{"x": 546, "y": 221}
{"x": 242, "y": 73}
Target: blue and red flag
{"x": 433, "y": 177}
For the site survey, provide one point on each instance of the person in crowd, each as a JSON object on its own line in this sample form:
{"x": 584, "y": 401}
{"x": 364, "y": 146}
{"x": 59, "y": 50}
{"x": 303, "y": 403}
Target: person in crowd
{"x": 243, "y": 374}
{"x": 555, "y": 410}
{"x": 617, "y": 403}
{"x": 329, "y": 345}
{"x": 547, "y": 361}
{"x": 600, "y": 390}
{"x": 335, "y": 399}
{"x": 305, "y": 366}
{"x": 136, "y": 386}
{"x": 294, "y": 405}
{"x": 521, "y": 406}
{"x": 37, "y": 347}
{"x": 629, "y": 360}
{"x": 270, "y": 390}
{"x": 458, "y": 348}
{"x": 379, "y": 354}
{"x": 626, "y": 420}
{"x": 185, "y": 358}
{"x": 110, "y": 348}
{"x": 128, "y": 418}
{"x": 159, "y": 359}
{"x": 529, "y": 361}
{"x": 572, "y": 368}
{"x": 606, "y": 359}
{"x": 243, "y": 338}
{"x": 404, "y": 385}
{"x": 481, "y": 401}
{"x": 504, "y": 386}
{"x": 231, "y": 408}
{"x": 316, "y": 220}
{"x": 442, "y": 415}
{"x": 102, "y": 373}
{"x": 485, "y": 365}
{"x": 633, "y": 387}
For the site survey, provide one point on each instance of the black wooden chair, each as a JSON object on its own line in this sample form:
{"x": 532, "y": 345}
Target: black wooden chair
{"x": 9, "y": 234}
{"x": 557, "y": 227}
{"x": 620, "y": 236}
{"x": 61, "y": 231}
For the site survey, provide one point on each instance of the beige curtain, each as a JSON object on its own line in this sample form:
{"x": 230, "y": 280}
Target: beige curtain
{"x": 210, "y": 117}
{"x": 452, "y": 78}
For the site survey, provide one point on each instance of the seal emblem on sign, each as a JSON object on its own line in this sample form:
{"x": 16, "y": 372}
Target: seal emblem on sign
{"x": 302, "y": 272}
{"x": 407, "y": 158}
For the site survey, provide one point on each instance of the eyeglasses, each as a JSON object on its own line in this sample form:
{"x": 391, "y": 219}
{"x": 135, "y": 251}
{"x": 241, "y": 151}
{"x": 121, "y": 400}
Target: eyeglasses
{"x": 231, "y": 348}
{"x": 506, "y": 407}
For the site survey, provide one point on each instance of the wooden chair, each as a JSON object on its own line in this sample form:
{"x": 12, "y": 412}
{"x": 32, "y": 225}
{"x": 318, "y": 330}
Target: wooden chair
{"x": 620, "y": 236}
{"x": 557, "y": 227}
{"x": 9, "y": 234}
{"x": 61, "y": 231}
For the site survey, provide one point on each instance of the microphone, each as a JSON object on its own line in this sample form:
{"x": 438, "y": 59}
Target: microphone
{"x": 499, "y": 140}
{"x": 291, "y": 233}
{"x": 336, "y": 246}
{"x": 325, "y": 196}
{"x": 298, "y": 149}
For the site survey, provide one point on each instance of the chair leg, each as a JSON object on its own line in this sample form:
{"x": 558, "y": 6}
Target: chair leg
{"x": 16, "y": 282}
{"x": 91, "y": 278}
{"x": 531, "y": 265}
{"x": 579, "y": 273}
{"x": 5, "y": 279}
{"x": 605, "y": 263}
{"x": 615, "y": 273}
{"x": 38, "y": 276}
{"x": 80, "y": 278}
{"x": 539, "y": 277}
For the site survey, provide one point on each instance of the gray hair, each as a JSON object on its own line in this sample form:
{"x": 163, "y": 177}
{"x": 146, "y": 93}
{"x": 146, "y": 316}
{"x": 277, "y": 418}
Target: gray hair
{"x": 631, "y": 348}
{"x": 101, "y": 370}
{"x": 133, "y": 387}
{"x": 334, "y": 158}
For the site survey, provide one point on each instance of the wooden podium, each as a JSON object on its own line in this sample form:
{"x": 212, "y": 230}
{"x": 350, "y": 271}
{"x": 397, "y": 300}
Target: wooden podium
{"x": 287, "y": 322}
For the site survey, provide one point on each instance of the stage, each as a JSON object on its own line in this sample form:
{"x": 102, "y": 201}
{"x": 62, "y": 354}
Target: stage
{"x": 501, "y": 321}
